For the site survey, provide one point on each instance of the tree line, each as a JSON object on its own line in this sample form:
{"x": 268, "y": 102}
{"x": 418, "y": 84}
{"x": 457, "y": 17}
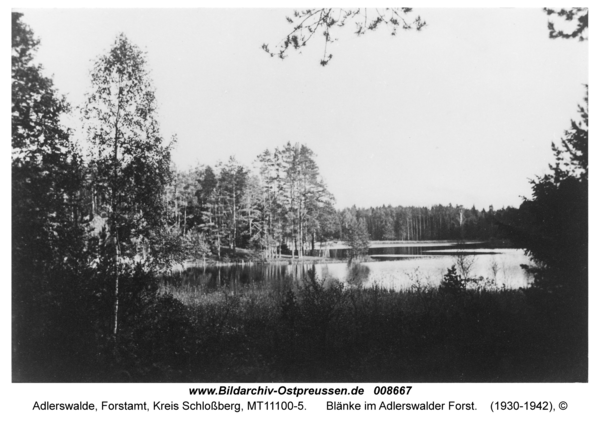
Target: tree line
{"x": 439, "y": 222}
{"x": 277, "y": 208}
{"x": 284, "y": 207}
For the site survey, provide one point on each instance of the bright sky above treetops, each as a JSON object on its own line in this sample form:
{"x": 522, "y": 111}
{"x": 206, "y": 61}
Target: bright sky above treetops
{"x": 463, "y": 112}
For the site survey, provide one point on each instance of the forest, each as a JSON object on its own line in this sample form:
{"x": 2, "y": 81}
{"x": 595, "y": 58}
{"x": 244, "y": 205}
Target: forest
{"x": 96, "y": 230}
{"x": 286, "y": 206}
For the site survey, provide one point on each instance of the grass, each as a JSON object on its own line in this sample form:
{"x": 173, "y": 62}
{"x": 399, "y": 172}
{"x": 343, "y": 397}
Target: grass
{"x": 311, "y": 331}
{"x": 317, "y": 332}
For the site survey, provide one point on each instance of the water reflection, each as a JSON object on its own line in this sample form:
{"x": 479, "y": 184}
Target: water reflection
{"x": 358, "y": 274}
{"x": 407, "y": 251}
{"x": 501, "y": 265}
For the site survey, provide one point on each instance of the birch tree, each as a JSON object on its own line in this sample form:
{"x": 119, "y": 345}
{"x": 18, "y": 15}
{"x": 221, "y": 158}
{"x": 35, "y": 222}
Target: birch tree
{"x": 129, "y": 158}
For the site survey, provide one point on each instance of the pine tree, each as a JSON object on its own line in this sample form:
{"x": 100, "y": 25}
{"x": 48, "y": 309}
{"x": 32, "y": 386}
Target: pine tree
{"x": 328, "y": 21}
{"x": 553, "y": 224}
{"x": 233, "y": 178}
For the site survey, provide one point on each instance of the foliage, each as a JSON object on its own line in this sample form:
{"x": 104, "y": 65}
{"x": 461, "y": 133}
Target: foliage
{"x": 553, "y": 224}
{"x": 358, "y": 239}
{"x": 46, "y": 167}
{"x": 168, "y": 243}
{"x": 307, "y": 23}
{"x": 328, "y": 224}
{"x": 439, "y": 222}
{"x": 458, "y": 281}
{"x": 66, "y": 303}
{"x": 48, "y": 224}
{"x": 572, "y": 153}
{"x": 465, "y": 263}
{"x": 453, "y": 282}
{"x": 319, "y": 330}
{"x": 284, "y": 205}
{"x": 575, "y": 14}
{"x": 129, "y": 160}
{"x": 233, "y": 179}
{"x": 75, "y": 341}
{"x": 197, "y": 245}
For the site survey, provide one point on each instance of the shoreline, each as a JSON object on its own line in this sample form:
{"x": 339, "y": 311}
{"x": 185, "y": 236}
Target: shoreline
{"x": 245, "y": 257}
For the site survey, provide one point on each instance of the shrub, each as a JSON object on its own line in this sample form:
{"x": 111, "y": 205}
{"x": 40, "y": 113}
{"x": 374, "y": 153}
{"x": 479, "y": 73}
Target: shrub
{"x": 453, "y": 282}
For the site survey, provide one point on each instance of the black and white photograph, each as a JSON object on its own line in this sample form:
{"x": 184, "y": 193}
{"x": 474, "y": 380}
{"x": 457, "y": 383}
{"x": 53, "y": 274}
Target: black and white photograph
{"x": 351, "y": 195}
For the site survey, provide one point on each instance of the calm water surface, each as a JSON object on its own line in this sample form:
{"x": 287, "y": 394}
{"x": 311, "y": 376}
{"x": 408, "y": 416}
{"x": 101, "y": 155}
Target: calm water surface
{"x": 395, "y": 267}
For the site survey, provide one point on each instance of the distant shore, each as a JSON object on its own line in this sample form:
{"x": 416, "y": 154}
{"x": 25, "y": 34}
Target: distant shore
{"x": 248, "y": 257}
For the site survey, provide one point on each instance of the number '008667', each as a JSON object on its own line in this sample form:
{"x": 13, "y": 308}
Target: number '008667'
{"x": 392, "y": 390}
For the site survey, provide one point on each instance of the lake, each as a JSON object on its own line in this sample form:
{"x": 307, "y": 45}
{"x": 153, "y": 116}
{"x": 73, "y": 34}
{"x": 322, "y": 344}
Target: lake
{"x": 395, "y": 266}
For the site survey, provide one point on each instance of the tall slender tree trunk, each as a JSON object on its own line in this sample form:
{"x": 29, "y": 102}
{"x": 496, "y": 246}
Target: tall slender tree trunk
{"x": 234, "y": 221}
{"x": 300, "y": 246}
{"x": 218, "y": 230}
{"x": 176, "y": 206}
{"x": 184, "y": 219}
{"x": 117, "y": 255}
{"x": 115, "y": 227}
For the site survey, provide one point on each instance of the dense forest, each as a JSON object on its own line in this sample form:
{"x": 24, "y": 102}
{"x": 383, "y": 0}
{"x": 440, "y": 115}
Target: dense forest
{"x": 286, "y": 206}
{"x": 283, "y": 205}
{"x": 95, "y": 231}
{"x": 438, "y": 222}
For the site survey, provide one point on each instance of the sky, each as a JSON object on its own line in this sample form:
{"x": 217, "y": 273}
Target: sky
{"x": 462, "y": 112}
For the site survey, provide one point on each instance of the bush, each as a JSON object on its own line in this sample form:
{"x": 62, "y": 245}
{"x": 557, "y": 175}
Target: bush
{"x": 453, "y": 282}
